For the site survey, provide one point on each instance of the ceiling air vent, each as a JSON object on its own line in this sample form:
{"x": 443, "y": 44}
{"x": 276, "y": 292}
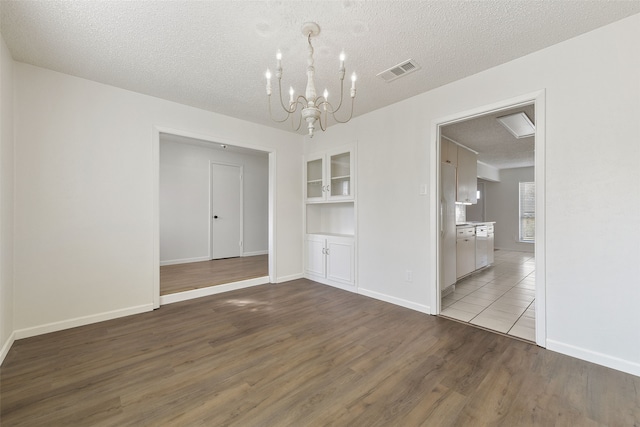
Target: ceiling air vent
{"x": 399, "y": 70}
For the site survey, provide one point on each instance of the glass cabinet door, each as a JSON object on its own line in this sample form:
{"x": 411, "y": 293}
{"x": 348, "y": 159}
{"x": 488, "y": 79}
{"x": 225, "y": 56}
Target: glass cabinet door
{"x": 340, "y": 173}
{"x": 314, "y": 179}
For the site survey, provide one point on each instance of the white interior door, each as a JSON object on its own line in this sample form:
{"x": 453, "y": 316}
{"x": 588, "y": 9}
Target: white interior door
{"x": 226, "y": 211}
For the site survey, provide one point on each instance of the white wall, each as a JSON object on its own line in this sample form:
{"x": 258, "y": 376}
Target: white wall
{"x": 502, "y": 206}
{"x": 185, "y": 189}
{"x": 84, "y": 196}
{"x": 592, "y": 151}
{"x": 6, "y": 200}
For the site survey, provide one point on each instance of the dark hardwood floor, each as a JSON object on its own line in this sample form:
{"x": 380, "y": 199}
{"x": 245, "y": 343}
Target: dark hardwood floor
{"x": 197, "y": 275}
{"x": 301, "y": 354}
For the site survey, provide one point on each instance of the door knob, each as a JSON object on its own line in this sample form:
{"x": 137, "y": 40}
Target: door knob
{"x": 215, "y": 216}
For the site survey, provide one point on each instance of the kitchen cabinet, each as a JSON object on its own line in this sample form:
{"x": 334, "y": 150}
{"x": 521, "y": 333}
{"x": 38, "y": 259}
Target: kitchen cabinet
{"x": 331, "y": 260}
{"x": 465, "y": 251}
{"x": 481, "y": 246}
{"x": 330, "y": 176}
{"x": 467, "y": 176}
{"x": 448, "y": 152}
{"x": 490, "y": 244}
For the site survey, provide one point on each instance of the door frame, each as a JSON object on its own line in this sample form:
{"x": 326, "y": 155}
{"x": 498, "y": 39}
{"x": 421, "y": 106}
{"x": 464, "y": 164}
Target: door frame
{"x": 211, "y": 237}
{"x": 155, "y": 208}
{"x": 538, "y": 100}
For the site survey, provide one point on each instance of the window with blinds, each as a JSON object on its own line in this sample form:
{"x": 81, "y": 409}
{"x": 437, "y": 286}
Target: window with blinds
{"x": 527, "y": 211}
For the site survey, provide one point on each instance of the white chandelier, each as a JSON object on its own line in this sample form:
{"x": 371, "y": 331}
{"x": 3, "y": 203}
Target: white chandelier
{"x": 311, "y": 105}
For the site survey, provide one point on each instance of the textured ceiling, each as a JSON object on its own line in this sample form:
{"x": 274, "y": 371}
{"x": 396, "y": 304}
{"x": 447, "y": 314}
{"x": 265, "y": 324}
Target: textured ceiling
{"x": 495, "y": 145}
{"x": 213, "y": 54}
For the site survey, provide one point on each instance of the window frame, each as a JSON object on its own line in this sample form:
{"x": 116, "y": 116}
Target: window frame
{"x": 523, "y": 187}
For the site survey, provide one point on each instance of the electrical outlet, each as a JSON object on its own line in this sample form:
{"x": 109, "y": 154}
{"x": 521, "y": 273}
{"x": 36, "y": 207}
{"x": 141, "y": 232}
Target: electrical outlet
{"x": 408, "y": 276}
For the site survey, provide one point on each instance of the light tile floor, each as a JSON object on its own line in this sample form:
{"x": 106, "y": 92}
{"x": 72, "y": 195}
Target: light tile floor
{"x": 500, "y": 297}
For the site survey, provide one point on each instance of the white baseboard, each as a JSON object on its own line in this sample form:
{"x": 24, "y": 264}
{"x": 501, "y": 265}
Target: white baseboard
{"x": 254, "y": 253}
{"x": 184, "y": 260}
{"x": 212, "y": 290}
{"x": 6, "y": 347}
{"x": 80, "y": 321}
{"x": 289, "y": 278}
{"x": 612, "y": 362}
{"x": 397, "y": 301}
{"x": 343, "y": 286}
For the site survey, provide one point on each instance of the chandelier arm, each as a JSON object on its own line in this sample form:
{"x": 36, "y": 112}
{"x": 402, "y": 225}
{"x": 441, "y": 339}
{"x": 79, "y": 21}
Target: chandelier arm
{"x": 289, "y": 110}
{"x": 323, "y": 128}
{"x": 296, "y": 128}
{"x": 341, "y": 95}
{"x": 350, "y": 114}
{"x": 271, "y": 113}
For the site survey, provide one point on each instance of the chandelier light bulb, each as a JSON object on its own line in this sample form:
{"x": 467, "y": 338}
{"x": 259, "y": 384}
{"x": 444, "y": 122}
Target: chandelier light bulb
{"x": 291, "y": 92}
{"x": 279, "y": 58}
{"x": 342, "y": 56}
{"x": 353, "y": 80}
{"x": 326, "y": 95}
{"x": 268, "y": 76}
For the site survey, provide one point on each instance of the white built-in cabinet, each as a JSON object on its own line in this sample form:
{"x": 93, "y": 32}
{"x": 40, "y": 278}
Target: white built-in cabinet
{"x": 329, "y": 176}
{"x": 331, "y": 259}
{"x": 330, "y": 217}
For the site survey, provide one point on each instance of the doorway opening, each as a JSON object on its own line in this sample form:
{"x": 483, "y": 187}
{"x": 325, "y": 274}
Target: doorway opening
{"x": 501, "y": 290}
{"x": 214, "y": 216}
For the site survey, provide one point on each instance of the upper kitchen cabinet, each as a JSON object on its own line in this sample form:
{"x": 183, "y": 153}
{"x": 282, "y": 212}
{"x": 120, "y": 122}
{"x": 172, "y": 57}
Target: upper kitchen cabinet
{"x": 449, "y": 152}
{"x": 329, "y": 176}
{"x": 467, "y": 176}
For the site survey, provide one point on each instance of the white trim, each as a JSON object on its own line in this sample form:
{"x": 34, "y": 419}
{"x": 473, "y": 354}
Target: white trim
{"x": 538, "y": 99}
{"x": 6, "y": 347}
{"x": 594, "y": 357}
{"x": 212, "y": 290}
{"x": 81, "y": 321}
{"x": 185, "y": 260}
{"x": 541, "y": 215}
{"x": 288, "y": 278}
{"x": 155, "y": 217}
{"x": 157, "y": 130}
{"x": 323, "y": 280}
{"x": 255, "y": 253}
{"x": 393, "y": 300}
{"x": 272, "y": 218}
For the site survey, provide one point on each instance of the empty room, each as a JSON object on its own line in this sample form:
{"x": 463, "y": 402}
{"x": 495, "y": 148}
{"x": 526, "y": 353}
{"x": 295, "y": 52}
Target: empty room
{"x": 283, "y": 213}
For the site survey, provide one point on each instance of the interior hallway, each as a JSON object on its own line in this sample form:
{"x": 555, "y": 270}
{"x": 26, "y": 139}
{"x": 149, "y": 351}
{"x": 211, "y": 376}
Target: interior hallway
{"x": 197, "y": 275}
{"x": 500, "y": 297}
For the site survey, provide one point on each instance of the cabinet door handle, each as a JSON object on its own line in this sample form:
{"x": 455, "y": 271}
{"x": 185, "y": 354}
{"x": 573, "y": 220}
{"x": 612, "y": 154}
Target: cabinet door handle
{"x": 328, "y": 187}
{"x": 326, "y": 251}
{"x": 323, "y": 251}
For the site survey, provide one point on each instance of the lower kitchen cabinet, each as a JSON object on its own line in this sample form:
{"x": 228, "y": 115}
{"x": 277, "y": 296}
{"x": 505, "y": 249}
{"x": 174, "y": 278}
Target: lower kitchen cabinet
{"x": 330, "y": 259}
{"x": 465, "y": 251}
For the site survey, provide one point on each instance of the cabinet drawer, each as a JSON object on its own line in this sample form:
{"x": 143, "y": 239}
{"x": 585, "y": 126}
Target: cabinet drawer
{"x": 461, "y": 233}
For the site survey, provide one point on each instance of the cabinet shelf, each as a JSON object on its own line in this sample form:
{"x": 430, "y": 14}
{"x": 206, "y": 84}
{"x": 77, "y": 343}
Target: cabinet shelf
{"x": 341, "y": 177}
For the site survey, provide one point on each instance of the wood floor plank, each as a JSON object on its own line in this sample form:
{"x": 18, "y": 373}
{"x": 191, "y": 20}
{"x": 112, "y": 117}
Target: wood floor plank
{"x": 202, "y": 274}
{"x": 301, "y": 353}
